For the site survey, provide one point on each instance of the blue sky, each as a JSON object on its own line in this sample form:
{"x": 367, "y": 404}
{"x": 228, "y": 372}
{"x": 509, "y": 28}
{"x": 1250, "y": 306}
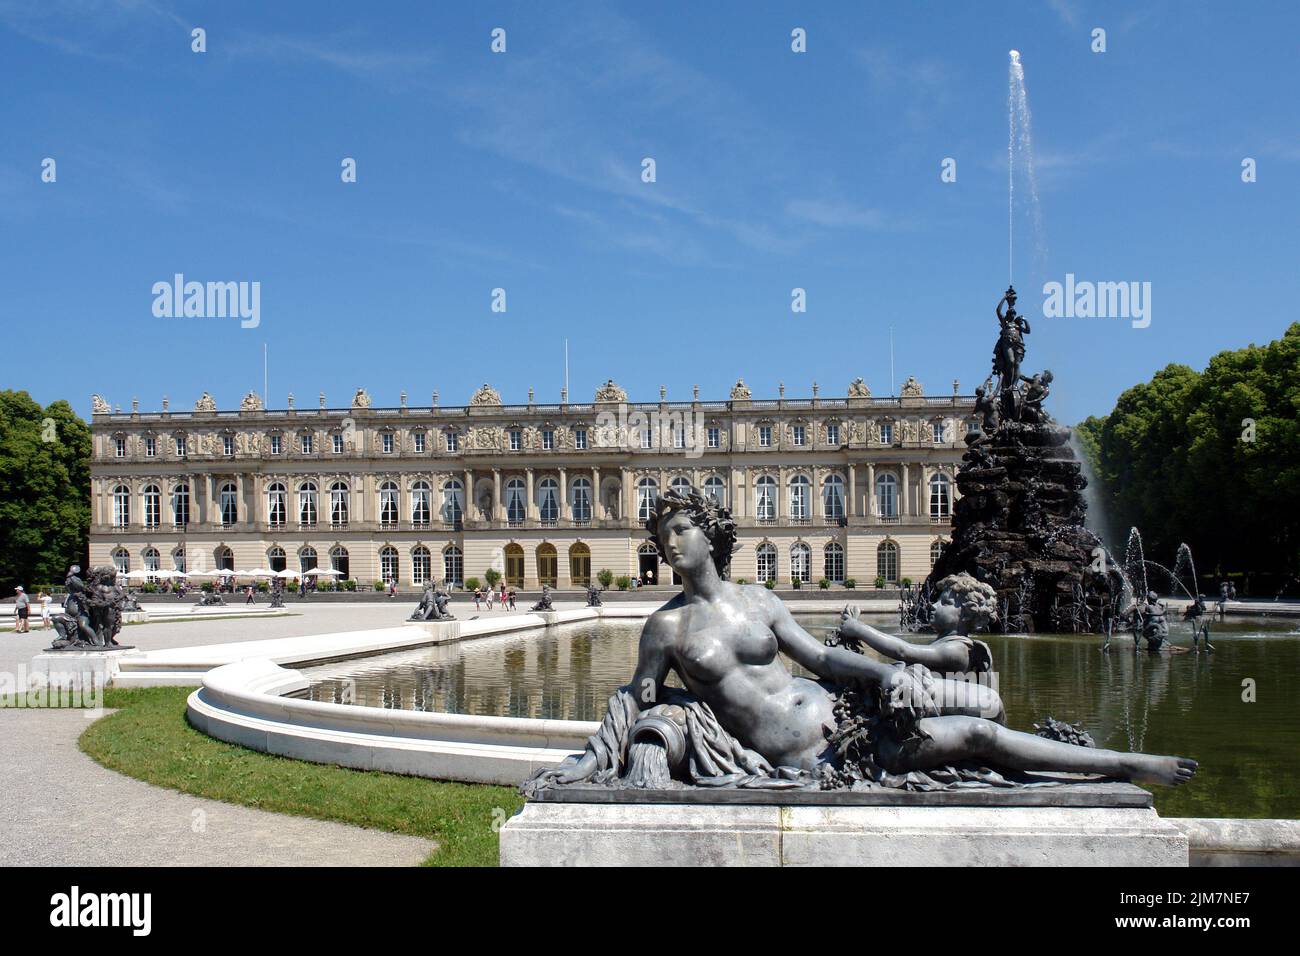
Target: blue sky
{"x": 521, "y": 171}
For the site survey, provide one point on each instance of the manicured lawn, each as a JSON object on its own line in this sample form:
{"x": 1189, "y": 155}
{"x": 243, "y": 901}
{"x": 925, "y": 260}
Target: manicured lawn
{"x": 149, "y": 739}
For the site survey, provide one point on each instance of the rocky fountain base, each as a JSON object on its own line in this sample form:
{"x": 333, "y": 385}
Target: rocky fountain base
{"x": 1019, "y": 528}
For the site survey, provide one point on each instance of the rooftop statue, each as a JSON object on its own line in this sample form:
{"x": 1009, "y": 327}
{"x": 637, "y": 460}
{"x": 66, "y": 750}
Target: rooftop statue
{"x": 742, "y": 719}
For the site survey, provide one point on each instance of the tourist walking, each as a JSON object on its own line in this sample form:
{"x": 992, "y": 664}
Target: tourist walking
{"x": 478, "y": 599}
{"x": 22, "y": 608}
{"x": 503, "y": 595}
{"x": 248, "y": 595}
{"x": 512, "y": 599}
{"x": 45, "y": 600}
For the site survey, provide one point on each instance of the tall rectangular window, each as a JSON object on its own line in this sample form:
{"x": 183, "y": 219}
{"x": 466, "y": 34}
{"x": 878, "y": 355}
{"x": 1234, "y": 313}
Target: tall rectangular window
{"x": 714, "y": 437}
{"x": 276, "y": 445}
{"x": 548, "y": 439}
{"x": 119, "y": 447}
{"x": 418, "y": 439}
{"x": 800, "y": 433}
{"x": 886, "y": 434}
{"x": 227, "y": 445}
{"x": 516, "y": 440}
{"x": 181, "y": 448}
{"x": 832, "y": 434}
{"x": 150, "y": 447}
{"x": 764, "y": 436}
{"x": 453, "y": 441}
{"x": 386, "y": 442}
{"x": 580, "y": 439}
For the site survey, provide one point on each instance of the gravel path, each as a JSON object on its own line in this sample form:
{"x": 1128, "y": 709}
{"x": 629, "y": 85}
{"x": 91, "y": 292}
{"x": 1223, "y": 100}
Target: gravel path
{"x": 62, "y": 808}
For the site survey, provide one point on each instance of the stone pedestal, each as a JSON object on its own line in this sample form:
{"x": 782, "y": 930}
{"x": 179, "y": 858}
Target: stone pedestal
{"x": 628, "y": 834}
{"x": 77, "y": 670}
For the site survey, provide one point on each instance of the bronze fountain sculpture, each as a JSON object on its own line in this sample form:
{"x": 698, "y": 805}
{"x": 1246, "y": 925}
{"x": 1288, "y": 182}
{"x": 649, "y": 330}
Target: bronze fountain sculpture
{"x": 742, "y": 720}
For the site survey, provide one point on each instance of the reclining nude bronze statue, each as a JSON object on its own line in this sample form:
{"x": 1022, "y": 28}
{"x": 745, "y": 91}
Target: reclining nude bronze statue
{"x": 742, "y": 719}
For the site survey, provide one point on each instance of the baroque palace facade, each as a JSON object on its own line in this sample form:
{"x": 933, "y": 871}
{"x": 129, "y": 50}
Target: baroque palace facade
{"x": 842, "y": 488}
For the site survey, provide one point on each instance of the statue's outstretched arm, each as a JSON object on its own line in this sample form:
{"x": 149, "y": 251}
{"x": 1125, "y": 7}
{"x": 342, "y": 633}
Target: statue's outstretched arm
{"x": 834, "y": 663}
{"x": 950, "y": 656}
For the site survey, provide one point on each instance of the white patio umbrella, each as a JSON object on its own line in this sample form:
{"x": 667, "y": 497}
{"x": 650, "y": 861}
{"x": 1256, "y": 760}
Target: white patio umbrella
{"x": 139, "y": 574}
{"x": 323, "y": 572}
{"x": 286, "y": 574}
{"x": 260, "y": 573}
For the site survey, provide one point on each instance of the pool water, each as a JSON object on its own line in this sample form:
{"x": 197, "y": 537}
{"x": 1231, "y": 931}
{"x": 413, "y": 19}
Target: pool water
{"x": 1193, "y": 705}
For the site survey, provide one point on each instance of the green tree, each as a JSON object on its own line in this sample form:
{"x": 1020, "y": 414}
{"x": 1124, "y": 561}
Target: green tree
{"x": 1209, "y": 458}
{"x": 44, "y": 490}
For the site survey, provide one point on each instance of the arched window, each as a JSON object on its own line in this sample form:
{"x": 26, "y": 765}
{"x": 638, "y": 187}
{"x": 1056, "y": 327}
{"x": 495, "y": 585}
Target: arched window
{"x": 121, "y": 560}
{"x": 765, "y": 500}
{"x": 800, "y": 562}
{"x": 306, "y": 560}
{"x": 388, "y": 504}
{"x": 716, "y": 488}
{"x": 421, "y": 564}
{"x": 514, "y": 565}
{"x": 681, "y": 485}
{"x": 579, "y": 565}
{"x": 178, "y": 560}
{"x": 936, "y": 550}
{"x": 800, "y": 504}
{"x": 339, "y": 562}
{"x": 833, "y": 497}
{"x": 886, "y": 496}
{"x": 453, "y": 566}
{"x": 647, "y": 493}
{"x": 887, "y": 562}
{"x": 765, "y": 555}
{"x": 229, "y": 499}
{"x": 453, "y": 502}
{"x": 421, "y": 504}
{"x": 277, "y": 505}
{"x": 152, "y": 559}
{"x": 338, "y": 504}
{"x": 225, "y": 558}
{"x": 152, "y": 506}
{"x": 833, "y": 570}
{"x": 548, "y": 500}
{"x": 276, "y": 559}
{"x": 181, "y": 505}
{"x": 388, "y": 566}
{"x": 307, "y": 504}
{"x": 516, "y": 501}
{"x": 546, "y": 564}
{"x": 580, "y": 499}
{"x": 121, "y": 506}
{"x": 940, "y": 497}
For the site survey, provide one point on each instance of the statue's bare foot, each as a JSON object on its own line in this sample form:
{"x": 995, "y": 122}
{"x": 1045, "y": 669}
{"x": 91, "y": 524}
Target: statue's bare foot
{"x": 1164, "y": 771}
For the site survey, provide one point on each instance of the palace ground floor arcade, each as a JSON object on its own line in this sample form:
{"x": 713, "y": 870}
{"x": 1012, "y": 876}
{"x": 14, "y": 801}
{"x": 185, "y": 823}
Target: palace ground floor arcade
{"x": 860, "y": 550}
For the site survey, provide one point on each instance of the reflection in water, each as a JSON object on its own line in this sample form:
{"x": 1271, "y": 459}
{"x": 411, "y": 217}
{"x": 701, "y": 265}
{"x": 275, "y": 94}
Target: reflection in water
{"x": 1176, "y": 704}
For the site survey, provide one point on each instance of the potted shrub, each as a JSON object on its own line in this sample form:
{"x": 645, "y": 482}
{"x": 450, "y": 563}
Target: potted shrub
{"x": 742, "y": 581}
{"x": 493, "y": 576}
{"x": 623, "y": 582}
{"x": 606, "y": 577}
{"x": 472, "y": 584}
{"x": 770, "y": 583}
{"x": 906, "y": 582}
{"x": 796, "y": 583}
{"x": 880, "y": 582}
{"x": 824, "y": 584}
{"x": 379, "y": 585}
{"x": 351, "y": 585}
{"x": 850, "y": 583}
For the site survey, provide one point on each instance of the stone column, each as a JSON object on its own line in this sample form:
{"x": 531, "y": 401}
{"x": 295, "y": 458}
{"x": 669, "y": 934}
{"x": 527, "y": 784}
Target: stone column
{"x": 498, "y": 507}
{"x": 851, "y": 506}
{"x": 469, "y": 503}
{"x": 531, "y": 510}
{"x": 907, "y": 492}
{"x": 627, "y": 500}
{"x": 597, "y": 508}
{"x": 871, "y": 491}
{"x": 565, "y": 510}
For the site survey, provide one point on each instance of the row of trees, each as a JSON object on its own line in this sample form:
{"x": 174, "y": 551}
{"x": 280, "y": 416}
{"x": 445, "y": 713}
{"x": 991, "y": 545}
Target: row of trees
{"x": 1212, "y": 459}
{"x": 44, "y": 491}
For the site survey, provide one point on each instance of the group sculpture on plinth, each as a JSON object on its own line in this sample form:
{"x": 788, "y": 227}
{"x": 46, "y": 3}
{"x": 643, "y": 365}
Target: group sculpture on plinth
{"x": 741, "y": 720}
{"x": 1019, "y": 523}
{"x": 433, "y": 605}
{"x": 277, "y": 592}
{"x": 545, "y": 603}
{"x": 92, "y": 611}
{"x": 593, "y": 596}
